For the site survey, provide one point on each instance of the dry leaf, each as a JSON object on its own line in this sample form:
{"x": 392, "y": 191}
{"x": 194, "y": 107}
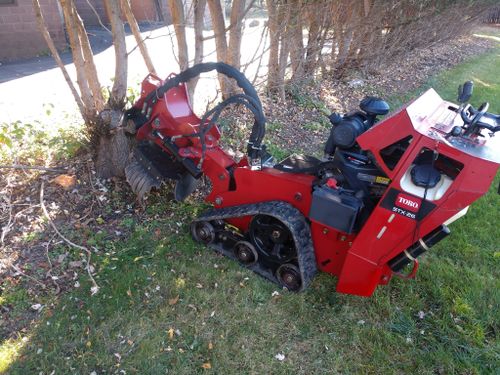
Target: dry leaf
{"x": 129, "y": 293}
{"x": 173, "y": 301}
{"x": 210, "y": 345}
{"x": 65, "y": 181}
{"x": 171, "y": 333}
{"x": 206, "y": 366}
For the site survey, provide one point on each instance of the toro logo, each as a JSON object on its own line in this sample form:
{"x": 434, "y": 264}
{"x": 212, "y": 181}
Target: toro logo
{"x": 408, "y": 202}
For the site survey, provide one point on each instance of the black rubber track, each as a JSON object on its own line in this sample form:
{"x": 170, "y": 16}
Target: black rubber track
{"x": 288, "y": 215}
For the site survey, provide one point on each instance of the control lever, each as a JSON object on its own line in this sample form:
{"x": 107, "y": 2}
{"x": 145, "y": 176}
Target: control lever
{"x": 465, "y": 92}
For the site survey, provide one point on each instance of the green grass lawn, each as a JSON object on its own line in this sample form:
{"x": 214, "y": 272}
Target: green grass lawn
{"x": 168, "y": 305}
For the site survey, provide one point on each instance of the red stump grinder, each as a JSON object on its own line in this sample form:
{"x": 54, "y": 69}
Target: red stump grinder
{"x": 383, "y": 194}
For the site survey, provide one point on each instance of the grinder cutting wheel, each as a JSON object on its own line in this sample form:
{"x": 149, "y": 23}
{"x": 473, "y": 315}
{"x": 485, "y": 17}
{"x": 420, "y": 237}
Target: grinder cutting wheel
{"x": 384, "y": 193}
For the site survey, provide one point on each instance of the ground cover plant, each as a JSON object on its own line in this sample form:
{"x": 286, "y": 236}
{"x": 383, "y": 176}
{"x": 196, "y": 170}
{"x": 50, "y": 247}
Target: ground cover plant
{"x": 168, "y": 305}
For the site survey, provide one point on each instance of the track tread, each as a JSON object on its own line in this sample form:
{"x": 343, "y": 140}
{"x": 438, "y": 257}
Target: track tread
{"x": 286, "y": 213}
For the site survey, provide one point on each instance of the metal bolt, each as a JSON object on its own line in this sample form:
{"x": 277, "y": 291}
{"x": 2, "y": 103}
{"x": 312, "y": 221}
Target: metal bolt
{"x": 218, "y": 201}
{"x": 325, "y": 231}
{"x": 343, "y": 238}
{"x": 298, "y": 196}
{"x": 156, "y": 122}
{"x": 221, "y": 177}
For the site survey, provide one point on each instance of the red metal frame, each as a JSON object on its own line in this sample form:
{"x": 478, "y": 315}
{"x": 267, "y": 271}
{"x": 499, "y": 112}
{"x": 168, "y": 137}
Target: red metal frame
{"x": 358, "y": 260}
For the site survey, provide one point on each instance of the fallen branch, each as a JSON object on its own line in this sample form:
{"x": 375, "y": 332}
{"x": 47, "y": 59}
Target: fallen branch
{"x": 95, "y": 287}
{"x": 49, "y": 273}
{"x": 35, "y": 167}
{"x": 18, "y": 270}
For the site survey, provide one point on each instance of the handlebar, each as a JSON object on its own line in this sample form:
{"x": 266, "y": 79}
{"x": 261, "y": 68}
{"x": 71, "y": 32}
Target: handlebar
{"x": 475, "y": 119}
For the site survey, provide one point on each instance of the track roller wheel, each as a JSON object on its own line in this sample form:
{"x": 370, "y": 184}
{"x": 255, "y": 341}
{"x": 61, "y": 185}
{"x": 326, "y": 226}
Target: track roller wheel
{"x": 288, "y": 275}
{"x": 272, "y": 239}
{"x": 245, "y": 252}
{"x": 203, "y": 232}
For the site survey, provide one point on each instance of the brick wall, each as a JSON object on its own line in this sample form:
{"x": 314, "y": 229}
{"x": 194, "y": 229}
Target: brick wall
{"x": 88, "y": 14}
{"x": 19, "y": 33}
{"x": 144, "y": 11}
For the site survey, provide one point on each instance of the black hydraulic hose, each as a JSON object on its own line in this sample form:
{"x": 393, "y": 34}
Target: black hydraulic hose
{"x": 258, "y": 130}
{"x": 217, "y": 110}
{"x": 215, "y": 113}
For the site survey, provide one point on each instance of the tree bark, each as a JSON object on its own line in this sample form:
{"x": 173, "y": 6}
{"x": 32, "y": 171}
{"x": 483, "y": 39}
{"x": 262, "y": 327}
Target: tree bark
{"x": 297, "y": 40}
{"x": 76, "y": 49}
{"x": 235, "y": 33}
{"x": 314, "y": 15}
{"x": 199, "y": 14}
{"x": 127, "y": 10}
{"x": 113, "y": 144}
{"x": 218, "y": 24}
{"x": 89, "y": 65}
{"x": 273, "y": 80}
{"x": 119, "y": 89}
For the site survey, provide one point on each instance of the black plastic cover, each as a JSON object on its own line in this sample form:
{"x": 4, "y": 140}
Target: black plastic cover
{"x": 344, "y": 134}
{"x": 425, "y": 175}
{"x": 374, "y": 106}
{"x": 334, "y": 208}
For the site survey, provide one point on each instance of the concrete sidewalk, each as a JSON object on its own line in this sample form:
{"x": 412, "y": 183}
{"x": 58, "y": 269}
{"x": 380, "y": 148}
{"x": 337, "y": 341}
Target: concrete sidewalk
{"x": 27, "y": 87}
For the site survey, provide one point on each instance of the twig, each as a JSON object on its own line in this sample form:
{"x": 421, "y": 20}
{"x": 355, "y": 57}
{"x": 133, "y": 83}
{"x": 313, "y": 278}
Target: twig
{"x": 35, "y": 167}
{"x": 240, "y": 18}
{"x": 49, "y": 273}
{"x": 98, "y": 17}
{"x": 15, "y": 268}
{"x": 95, "y": 287}
{"x": 12, "y": 220}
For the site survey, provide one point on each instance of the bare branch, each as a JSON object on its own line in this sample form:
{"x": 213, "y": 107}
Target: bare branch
{"x": 127, "y": 10}
{"x": 35, "y": 167}
{"x": 53, "y": 50}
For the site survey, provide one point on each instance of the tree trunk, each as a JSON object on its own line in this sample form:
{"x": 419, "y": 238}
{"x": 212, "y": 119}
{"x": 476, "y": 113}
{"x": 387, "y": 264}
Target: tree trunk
{"x": 285, "y": 41}
{"x": 89, "y": 65}
{"x": 273, "y": 81}
{"x": 219, "y": 26}
{"x": 127, "y": 10}
{"x": 114, "y": 145}
{"x": 297, "y": 40}
{"x": 90, "y": 114}
{"x": 235, "y": 33}
{"x": 199, "y": 14}
{"x": 119, "y": 89}
{"x": 314, "y": 15}
{"x": 50, "y": 43}
{"x": 179, "y": 22}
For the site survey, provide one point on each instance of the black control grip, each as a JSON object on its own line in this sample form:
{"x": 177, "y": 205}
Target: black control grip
{"x": 465, "y": 91}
